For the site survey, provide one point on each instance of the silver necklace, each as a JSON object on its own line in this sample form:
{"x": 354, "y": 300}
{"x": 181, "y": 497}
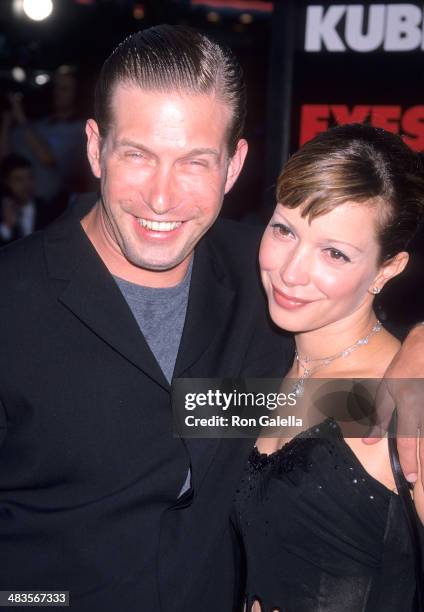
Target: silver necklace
{"x": 298, "y": 388}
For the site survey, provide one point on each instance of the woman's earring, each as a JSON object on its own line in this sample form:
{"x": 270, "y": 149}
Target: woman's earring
{"x": 375, "y": 290}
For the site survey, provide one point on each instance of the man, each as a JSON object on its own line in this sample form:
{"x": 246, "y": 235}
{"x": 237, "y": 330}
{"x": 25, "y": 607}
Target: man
{"x": 20, "y": 211}
{"x": 54, "y": 144}
{"x": 113, "y": 300}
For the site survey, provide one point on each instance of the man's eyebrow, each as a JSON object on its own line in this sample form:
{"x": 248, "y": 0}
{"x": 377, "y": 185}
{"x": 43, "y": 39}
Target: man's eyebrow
{"x": 125, "y": 142}
{"x": 201, "y": 151}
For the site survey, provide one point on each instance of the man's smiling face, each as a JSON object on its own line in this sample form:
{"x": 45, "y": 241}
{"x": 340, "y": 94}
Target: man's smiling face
{"x": 164, "y": 169}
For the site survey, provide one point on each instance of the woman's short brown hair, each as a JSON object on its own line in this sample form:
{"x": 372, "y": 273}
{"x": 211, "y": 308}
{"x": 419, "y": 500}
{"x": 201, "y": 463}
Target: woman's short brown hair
{"x": 363, "y": 164}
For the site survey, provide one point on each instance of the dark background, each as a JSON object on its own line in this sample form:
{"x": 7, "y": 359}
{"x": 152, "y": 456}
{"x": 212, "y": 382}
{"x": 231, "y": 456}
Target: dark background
{"x": 84, "y": 33}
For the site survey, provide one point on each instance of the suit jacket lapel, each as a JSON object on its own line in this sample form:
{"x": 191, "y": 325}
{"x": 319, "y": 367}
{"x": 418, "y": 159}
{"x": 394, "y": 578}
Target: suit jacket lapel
{"x": 208, "y": 313}
{"x": 208, "y": 310}
{"x": 85, "y": 286}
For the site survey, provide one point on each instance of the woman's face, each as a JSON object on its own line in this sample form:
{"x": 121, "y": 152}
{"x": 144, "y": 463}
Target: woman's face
{"x": 319, "y": 272}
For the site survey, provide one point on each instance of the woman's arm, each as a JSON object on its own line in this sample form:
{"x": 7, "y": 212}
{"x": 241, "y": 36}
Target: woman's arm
{"x": 407, "y": 364}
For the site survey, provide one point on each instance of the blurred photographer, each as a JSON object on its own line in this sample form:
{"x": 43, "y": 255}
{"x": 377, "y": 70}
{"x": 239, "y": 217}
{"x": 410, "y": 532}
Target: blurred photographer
{"x": 19, "y": 209}
{"x": 53, "y": 144}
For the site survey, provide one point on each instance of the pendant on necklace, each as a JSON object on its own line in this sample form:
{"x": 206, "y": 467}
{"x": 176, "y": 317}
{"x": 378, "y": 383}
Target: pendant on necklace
{"x": 299, "y": 388}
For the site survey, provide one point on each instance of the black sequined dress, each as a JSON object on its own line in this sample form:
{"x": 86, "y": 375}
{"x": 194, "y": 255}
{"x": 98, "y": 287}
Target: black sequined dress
{"x": 321, "y": 534}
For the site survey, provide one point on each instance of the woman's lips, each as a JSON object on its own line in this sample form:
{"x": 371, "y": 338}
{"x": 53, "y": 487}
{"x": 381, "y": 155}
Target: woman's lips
{"x": 287, "y": 301}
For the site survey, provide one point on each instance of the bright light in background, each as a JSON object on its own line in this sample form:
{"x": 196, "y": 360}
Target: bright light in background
{"x": 18, "y": 74}
{"x": 37, "y": 9}
{"x": 138, "y": 11}
{"x": 246, "y": 18}
{"x": 42, "y": 78}
{"x": 213, "y": 17}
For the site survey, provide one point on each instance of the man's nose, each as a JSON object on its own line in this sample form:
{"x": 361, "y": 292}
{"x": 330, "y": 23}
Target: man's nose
{"x": 296, "y": 268}
{"x": 160, "y": 192}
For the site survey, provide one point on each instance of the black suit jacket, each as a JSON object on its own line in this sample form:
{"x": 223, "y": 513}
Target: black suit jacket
{"x": 40, "y": 221}
{"x": 89, "y": 469}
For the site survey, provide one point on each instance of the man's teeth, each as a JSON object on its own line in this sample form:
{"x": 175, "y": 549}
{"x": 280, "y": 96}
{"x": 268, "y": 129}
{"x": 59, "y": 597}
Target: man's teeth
{"x": 159, "y": 226}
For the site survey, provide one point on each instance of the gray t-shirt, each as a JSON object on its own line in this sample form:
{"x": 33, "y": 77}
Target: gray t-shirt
{"x": 160, "y": 314}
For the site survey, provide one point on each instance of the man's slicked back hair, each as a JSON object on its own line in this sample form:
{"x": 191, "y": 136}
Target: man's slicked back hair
{"x": 173, "y": 58}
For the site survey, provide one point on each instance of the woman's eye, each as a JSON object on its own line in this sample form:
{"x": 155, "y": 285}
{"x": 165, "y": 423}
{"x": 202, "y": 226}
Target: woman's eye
{"x": 336, "y": 255}
{"x": 280, "y": 229}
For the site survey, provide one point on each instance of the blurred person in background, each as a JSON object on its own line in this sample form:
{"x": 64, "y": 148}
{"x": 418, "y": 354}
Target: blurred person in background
{"x": 55, "y": 144}
{"x": 20, "y": 211}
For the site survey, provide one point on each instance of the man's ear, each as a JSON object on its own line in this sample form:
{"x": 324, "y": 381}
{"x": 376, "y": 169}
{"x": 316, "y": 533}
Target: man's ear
{"x": 236, "y": 164}
{"x": 93, "y": 146}
{"x": 388, "y": 270}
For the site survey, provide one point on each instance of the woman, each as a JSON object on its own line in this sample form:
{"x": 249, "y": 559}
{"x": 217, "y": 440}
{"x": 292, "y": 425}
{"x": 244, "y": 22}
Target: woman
{"x": 322, "y": 525}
